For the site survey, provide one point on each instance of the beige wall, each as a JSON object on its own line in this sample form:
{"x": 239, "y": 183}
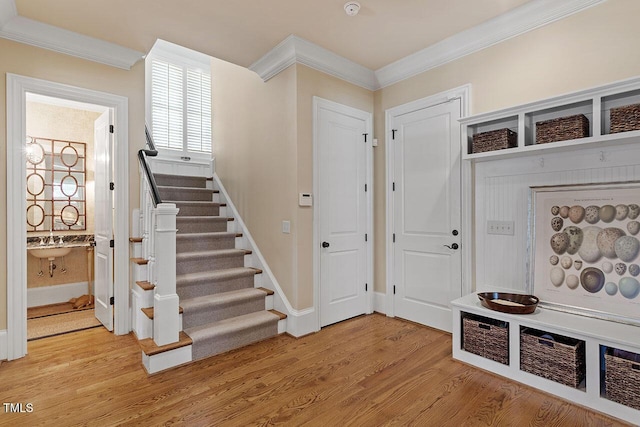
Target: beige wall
{"x": 254, "y": 132}
{"x": 263, "y": 137}
{"x": 33, "y": 62}
{"x": 591, "y": 48}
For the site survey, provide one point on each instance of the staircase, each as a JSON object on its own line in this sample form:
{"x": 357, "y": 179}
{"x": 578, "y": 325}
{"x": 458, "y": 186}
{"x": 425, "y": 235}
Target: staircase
{"x": 221, "y": 307}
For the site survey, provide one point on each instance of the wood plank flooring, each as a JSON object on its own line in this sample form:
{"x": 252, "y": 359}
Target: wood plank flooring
{"x": 368, "y": 371}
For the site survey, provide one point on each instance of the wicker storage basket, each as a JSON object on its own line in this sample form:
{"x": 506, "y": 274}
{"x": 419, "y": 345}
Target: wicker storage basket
{"x": 486, "y": 337}
{"x": 560, "y": 359}
{"x": 622, "y": 380}
{"x": 562, "y": 129}
{"x": 494, "y": 140}
{"x": 625, "y": 119}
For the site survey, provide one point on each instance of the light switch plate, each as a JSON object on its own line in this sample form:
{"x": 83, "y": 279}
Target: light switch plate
{"x": 286, "y": 227}
{"x": 500, "y": 227}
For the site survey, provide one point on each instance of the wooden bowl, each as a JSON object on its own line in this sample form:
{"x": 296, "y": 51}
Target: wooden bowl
{"x": 509, "y": 303}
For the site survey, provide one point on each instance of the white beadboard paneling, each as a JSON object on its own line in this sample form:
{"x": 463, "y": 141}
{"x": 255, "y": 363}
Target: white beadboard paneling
{"x": 502, "y": 193}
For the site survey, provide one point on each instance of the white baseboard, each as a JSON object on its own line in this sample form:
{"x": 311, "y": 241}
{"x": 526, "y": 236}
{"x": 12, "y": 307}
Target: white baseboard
{"x": 55, "y": 294}
{"x": 302, "y": 322}
{"x": 4, "y": 353}
{"x": 380, "y": 302}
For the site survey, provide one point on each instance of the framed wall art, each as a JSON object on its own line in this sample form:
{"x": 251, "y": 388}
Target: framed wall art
{"x": 585, "y": 252}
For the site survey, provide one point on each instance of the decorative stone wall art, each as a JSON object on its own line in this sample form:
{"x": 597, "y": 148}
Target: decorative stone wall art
{"x": 585, "y": 249}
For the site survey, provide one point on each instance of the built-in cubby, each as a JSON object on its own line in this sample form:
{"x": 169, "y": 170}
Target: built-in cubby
{"x": 595, "y": 104}
{"x": 584, "y": 347}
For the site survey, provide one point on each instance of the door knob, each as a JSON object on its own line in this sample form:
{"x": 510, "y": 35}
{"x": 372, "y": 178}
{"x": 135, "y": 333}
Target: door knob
{"x": 454, "y": 232}
{"x": 453, "y": 246}
{"x": 325, "y": 244}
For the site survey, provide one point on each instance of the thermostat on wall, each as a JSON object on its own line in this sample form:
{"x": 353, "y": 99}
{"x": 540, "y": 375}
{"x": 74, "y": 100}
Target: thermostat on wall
{"x": 305, "y": 199}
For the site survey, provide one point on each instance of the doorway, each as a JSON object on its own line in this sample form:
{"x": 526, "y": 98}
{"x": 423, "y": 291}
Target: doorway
{"x": 424, "y": 257}
{"x": 63, "y": 144}
{"x": 343, "y": 211}
{"x": 17, "y": 89}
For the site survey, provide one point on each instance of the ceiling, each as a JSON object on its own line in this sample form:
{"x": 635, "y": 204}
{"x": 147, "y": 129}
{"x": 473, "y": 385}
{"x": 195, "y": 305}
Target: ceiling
{"x": 242, "y": 32}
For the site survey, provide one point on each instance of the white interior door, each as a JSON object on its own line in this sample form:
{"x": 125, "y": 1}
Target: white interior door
{"x": 426, "y": 213}
{"x": 103, "y": 220}
{"x": 342, "y": 210}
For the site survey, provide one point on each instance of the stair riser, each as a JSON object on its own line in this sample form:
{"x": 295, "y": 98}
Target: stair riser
{"x": 195, "y": 210}
{"x": 211, "y": 314}
{"x": 180, "y": 181}
{"x": 208, "y": 264}
{"x": 195, "y": 195}
{"x": 201, "y": 225}
{"x": 221, "y": 344}
{"x": 200, "y": 243}
{"x": 198, "y": 289}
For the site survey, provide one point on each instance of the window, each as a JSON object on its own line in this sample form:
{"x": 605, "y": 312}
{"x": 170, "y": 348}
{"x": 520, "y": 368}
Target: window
{"x": 179, "y": 100}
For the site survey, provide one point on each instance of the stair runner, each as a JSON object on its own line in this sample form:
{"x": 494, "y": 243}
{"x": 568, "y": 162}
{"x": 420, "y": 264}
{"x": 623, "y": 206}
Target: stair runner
{"x": 222, "y": 309}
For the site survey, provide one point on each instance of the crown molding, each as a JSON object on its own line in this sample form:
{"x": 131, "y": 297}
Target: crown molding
{"x": 34, "y": 33}
{"x": 294, "y": 50}
{"x": 520, "y": 20}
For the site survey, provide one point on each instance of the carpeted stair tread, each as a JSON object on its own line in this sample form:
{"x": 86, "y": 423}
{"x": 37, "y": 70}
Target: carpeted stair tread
{"x": 216, "y": 253}
{"x": 224, "y": 335}
{"x": 180, "y": 180}
{"x": 211, "y": 308}
{"x": 193, "y": 262}
{"x": 201, "y": 224}
{"x": 197, "y": 208}
{"x": 217, "y": 275}
{"x": 209, "y": 282}
{"x": 186, "y": 193}
{"x": 218, "y": 240}
{"x": 223, "y": 298}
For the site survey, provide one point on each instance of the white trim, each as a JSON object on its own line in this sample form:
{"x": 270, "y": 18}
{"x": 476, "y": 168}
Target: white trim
{"x": 34, "y": 33}
{"x": 320, "y": 103}
{"x": 55, "y": 294}
{"x": 380, "y": 303}
{"x": 294, "y": 49}
{"x": 528, "y": 17}
{"x": 8, "y": 11}
{"x": 17, "y": 88}
{"x": 3, "y": 344}
{"x": 175, "y": 53}
{"x": 464, "y": 93}
{"x": 302, "y": 322}
{"x": 520, "y": 20}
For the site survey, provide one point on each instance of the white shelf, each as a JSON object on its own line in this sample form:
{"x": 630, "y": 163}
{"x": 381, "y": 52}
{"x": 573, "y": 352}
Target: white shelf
{"x": 595, "y": 104}
{"x": 595, "y": 332}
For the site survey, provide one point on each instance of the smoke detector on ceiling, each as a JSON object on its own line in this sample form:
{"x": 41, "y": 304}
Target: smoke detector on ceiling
{"x": 352, "y": 8}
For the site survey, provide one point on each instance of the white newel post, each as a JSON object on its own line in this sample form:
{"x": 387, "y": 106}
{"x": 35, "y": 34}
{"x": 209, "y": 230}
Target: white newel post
{"x": 166, "y": 320}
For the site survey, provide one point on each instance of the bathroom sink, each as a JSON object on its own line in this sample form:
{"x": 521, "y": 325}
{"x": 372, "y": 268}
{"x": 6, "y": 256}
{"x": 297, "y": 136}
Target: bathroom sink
{"x": 49, "y": 252}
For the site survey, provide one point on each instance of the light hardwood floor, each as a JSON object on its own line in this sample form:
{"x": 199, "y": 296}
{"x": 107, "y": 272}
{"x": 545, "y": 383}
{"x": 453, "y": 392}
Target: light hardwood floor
{"x": 368, "y": 371}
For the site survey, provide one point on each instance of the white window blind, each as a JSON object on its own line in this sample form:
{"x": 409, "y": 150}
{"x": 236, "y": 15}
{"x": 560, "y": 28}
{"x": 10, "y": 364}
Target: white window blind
{"x": 198, "y": 112}
{"x": 181, "y": 108}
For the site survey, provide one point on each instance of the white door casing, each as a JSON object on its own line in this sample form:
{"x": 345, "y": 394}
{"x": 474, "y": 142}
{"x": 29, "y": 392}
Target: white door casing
{"x": 342, "y": 211}
{"x": 424, "y": 261}
{"x": 17, "y": 89}
{"x": 103, "y": 220}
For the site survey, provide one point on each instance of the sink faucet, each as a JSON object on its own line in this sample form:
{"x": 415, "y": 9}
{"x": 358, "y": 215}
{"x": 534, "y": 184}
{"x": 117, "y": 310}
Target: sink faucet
{"x": 52, "y": 240}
